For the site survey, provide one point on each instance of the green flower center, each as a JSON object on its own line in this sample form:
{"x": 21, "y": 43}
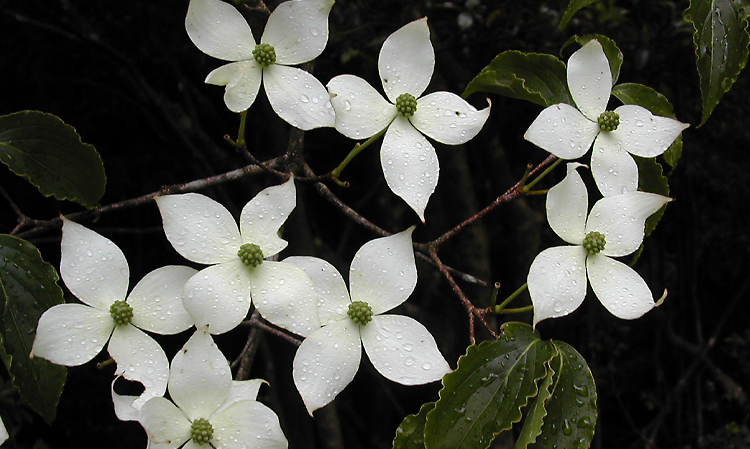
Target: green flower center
{"x": 594, "y": 242}
{"x": 121, "y": 312}
{"x": 360, "y": 312}
{"x": 201, "y": 431}
{"x": 406, "y": 104}
{"x": 609, "y": 121}
{"x": 250, "y": 254}
{"x": 264, "y": 54}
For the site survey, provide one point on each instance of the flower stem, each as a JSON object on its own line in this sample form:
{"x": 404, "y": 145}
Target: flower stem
{"x": 241, "y": 132}
{"x": 355, "y": 151}
{"x": 528, "y": 186}
{"x": 499, "y": 308}
{"x": 519, "y": 310}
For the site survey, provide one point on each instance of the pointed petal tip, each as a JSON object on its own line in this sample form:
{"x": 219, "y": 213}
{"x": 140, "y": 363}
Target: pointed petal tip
{"x": 660, "y": 301}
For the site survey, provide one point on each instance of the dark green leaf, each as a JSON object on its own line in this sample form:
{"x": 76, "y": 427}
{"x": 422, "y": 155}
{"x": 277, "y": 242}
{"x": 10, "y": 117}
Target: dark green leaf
{"x": 611, "y": 51}
{"x": 49, "y": 154}
{"x": 573, "y": 7}
{"x": 534, "y": 77}
{"x": 532, "y": 426}
{"x": 651, "y": 179}
{"x": 410, "y": 434}
{"x": 28, "y": 287}
{"x": 485, "y": 394}
{"x": 720, "y": 38}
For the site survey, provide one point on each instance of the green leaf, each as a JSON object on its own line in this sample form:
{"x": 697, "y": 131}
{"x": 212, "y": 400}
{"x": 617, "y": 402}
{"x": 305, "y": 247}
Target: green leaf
{"x": 720, "y": 38}
{"x": 651, "y": 179}
{"x": 573, "y": 7}
{"x": 49, "y": 154}
{"x": 410, "y": 434}
{"x": 532, "y": 426}
{"x": 571, "y": 410}
{"x": 28, "y": 287}
{"x": 534, "y": 77}
{"x": 611, "y": 51}
{"x": 485, "y": 394}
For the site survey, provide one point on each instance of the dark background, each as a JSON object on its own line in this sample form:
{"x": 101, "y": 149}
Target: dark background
{"x": 128, "y": 78}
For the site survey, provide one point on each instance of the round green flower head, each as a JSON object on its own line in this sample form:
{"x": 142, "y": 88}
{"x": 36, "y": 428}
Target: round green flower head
{"x": 406, "y": 104}
{"x": 360, "y": 312}
{"x": 264, "y": 54}
{"x": 121, "y": 312}
{"x": 250, "y": 254}
{"x": 609, "y": 121}
{"x": 594, "y": 242}
{"x": 201, "y": 431}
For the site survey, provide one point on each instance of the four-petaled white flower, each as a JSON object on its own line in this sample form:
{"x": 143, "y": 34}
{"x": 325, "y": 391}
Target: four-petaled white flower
{"x": 210, "y": 409}
{"x": 382, "y": 276}
{"x": 614, "y": 227}
{"x": 409, "y": 161}
{"x": 568, "y": 132}
{"x": 96, "y": 272}
{"x": 203, "y": 231}
{"x": 296, "y": 32}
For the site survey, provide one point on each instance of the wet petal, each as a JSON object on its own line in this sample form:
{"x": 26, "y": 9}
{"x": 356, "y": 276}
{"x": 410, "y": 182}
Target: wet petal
{"x": 71, "y": 334}
{"x": 247, "y": 421}
{"x": 614, "y": 170}
{"x": 361, "y": 111}
{"x": 219, "y": 296}
{"x": 333, "y": 297}
{"x": 93, "y": 268}
{"x": 645, "y": 134}
{"x": 199, "y": 228}
{"x": 298, "y": 31}
{"x": 164, "y": 423}
{"x": 567, "y": 206}
{"x": 326, "y": 362}
{"x": 124, "y": 409}
{"x": 403, "y": 350}
{"x": 619, "y": 288}
{"x": 263, "y": 216}
{"x": 590, "y": 79}
{"x": 448, "y": 118}
{"x": 563, "y": 131}
{"x": 298, "y": 97}
{"x": 407, "y": 60}
{"x": 243, "y": 83}
{"x": 557, "y": 281}
{"x": 410, "y": 164}
{"x": 383, "y": 272}
{"x": 157, "y": 300}
{"x": 219, "y": 30}
{"x": 242, "y": 390}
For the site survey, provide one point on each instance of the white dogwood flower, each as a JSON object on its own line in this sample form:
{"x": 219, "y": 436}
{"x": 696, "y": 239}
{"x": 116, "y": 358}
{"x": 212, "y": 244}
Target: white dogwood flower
{"x": 382, "y": 276}
{"x": 209, "y": 409}
{"x": 409, "y": 161}
{"x": 96, "y": 272}
{"x": 296, "y": 32}
{"x": 568, "y": 132}
{"x": 614, "y": 227}
{"x": 204, "y": 231}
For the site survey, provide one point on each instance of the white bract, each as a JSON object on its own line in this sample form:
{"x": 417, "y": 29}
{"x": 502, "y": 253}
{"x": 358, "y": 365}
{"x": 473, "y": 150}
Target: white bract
{"x": 203, "y": 231}
{"x": 382, "y": 275}
{"x": 205, "y": 398}
{"x": 557, "y": 277}
{"x": 409, "y": 161}
{"x": 568, "y": 132}
{"x": 96, "y": 272}
{"x": 296, "y": 32}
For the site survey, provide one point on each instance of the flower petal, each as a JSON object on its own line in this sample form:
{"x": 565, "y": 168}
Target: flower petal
{"x": 263, "y": 216}
{"x": 410, "y": 164}
{"x": 590, "y": 79}
{"x": 448, "y": 118}
{"x": 619, "y": 288}
{"x": 286, "y": 297}
{"x": 199, "y": 228}
{"x": 645, "y": 134}
{"x": 298, "y": 97}
{"x": 563, "y": 131}
{"x": 333, "y": 297}
{"x": 71, "y": 334}
{"x": 140, "y": 358}
{"x": 614, "y": 170}
{"x": 298, "y": 30}
{"x": 403, "y": 350}
{"x": 557, "y": 281}
{"x": 93, "y": 268}
{"x": 242, "y": 390}
{"x": 219, "y": 296}
{"x": 157, "y": 300}
{"x": 3, "y": 432}
{"x": 361, "y": 111}
{"x": 407, "y": 60}
{"x": 124, "y": 409}
{"x": 243, "y": 83}
{"x": 383, "y": 272}
{"x": 567, "y": 206}
{"x": 199, "y": 379}
{"x": 246, "y": 421}
{"x": 219, "y": 30}
{"x": 164, "y": 423}
{"x": 326, "y": 362}
{"x": 621, "y": 218}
